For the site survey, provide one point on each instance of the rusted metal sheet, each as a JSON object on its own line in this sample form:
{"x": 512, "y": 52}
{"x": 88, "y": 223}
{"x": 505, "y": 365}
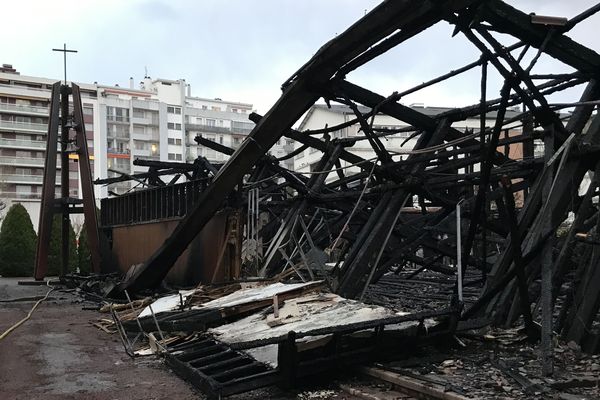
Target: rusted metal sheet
{"x": 133, "y": 244}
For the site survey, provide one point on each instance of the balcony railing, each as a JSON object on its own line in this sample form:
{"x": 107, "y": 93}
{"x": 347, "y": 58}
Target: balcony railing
{"x": 241, "y": 130}
{"x": 112, "y": 150}
{"x": 20, "y": 195}
{"x": 145, "y": 120}
{"x": 25, "y": 88}
{"x": 117, "y": 118}
{"x": 23, "y": 126}
{"x": 207, "y": 128}
{"x": 20, "y": 108}
{"x": 18, "y": 178}
{"x": 118, "y": 135}
{"x": 25, "y": 161}
{"x": 35, "y": 144}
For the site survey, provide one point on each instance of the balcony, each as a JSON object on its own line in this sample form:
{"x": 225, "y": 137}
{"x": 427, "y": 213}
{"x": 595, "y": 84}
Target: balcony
{"x": 25, "y": 179}
{"x": 23, "y": 144}
{"x": 240, "y": 130}
{"x": 207, "y": 128}
{"x": 112, "y": 152}
{"x": 141, "y": 152}
{"x": 25, "y": 161}
{"x": 145, "y": 120}
{"x": 42, "y": 92}
{"x": 146, "y": 136}
{"x": 118, "y": 135}
{"x": 21, "y": 195}
{"x": 24, "y": 126}
{"x": 23, "y": 109}
{"x": 117, "y": 118}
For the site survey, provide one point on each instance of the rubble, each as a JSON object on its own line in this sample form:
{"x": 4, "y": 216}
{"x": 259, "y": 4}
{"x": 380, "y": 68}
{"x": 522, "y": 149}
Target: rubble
{"x": 471, "y": 243}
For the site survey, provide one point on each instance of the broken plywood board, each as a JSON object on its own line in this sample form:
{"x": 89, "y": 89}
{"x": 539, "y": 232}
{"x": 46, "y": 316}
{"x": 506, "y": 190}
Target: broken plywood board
{"x": 255, "y": 294}
{"x": 167, "y": 303}
{"x": 302, "y": 314}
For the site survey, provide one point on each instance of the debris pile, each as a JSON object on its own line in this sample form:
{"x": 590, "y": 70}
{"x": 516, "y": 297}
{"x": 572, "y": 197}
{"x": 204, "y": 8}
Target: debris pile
{"x": 364, "y": 259}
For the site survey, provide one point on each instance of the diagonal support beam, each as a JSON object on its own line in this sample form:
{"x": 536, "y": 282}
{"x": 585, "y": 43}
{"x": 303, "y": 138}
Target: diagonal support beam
{"x": 298, "y": 96}
{"x": 508, "y": 19}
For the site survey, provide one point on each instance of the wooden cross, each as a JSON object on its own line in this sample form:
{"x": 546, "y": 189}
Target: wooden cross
{"x": 65, "y": 51}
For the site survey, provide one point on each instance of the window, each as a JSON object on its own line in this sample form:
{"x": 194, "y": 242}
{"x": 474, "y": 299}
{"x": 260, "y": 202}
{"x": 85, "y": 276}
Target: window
{"x": 178, "y": 142}
{"x": 210, "y": 122}
{"x": 178, "y": 157}
{"x": 234, "y": 110}
{"x": 204, "y": 108}
{"x": 174, "y": 110}
{"x": 174, "y": 126}
{"x": 221, "y": 139}
{"x": 215, "y": 108}
{"x": 171, "y": 141}
{"x": 172, "y": 156}
{"x": 118, "y": 114}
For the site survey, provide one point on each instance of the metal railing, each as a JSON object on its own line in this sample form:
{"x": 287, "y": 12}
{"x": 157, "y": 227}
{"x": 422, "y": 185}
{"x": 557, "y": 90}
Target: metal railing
{"x": 24, "y": 108}
{"x": 117, "y": 118}
{"x": 145, "y": 120}
{"x": 26, "y": 126}
{"x": 151, "y": 204}
{"x": 207, "y": 128}
{"x": 25, "y": 88}
{"x": 37, "y": 144}
{"x": 241, "y": 130}
{"x": 12, "y": 178}
{"x": 38, "y": 162}
{"x": 117, "y": 134}
{"x": 112, "y": 150}
{"x": 20, "y": 195}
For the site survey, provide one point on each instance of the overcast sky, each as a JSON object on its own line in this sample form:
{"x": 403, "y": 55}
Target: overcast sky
{"x": 239, "y": 50}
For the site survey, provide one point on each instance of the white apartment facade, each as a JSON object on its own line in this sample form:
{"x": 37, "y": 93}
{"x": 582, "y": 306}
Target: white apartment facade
{"x": 158, "y": 120}
{"x": 24, "y": 114}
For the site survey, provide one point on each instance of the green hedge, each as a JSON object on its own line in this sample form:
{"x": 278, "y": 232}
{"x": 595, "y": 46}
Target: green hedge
{"x": 17, "y": 243}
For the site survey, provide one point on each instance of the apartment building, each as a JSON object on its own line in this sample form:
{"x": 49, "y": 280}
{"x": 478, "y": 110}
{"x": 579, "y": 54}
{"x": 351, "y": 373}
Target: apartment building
{"x": 24, "y": 113}
{"x": 156, "y": 119}
{"x": 320, "y": 115}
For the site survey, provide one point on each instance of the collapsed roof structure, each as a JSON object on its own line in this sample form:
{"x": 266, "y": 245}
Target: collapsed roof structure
{"x": 460, "y": 205}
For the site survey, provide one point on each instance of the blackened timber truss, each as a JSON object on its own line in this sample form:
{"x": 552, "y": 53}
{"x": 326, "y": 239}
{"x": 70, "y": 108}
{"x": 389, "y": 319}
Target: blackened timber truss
{"x": 351, "y": 220}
